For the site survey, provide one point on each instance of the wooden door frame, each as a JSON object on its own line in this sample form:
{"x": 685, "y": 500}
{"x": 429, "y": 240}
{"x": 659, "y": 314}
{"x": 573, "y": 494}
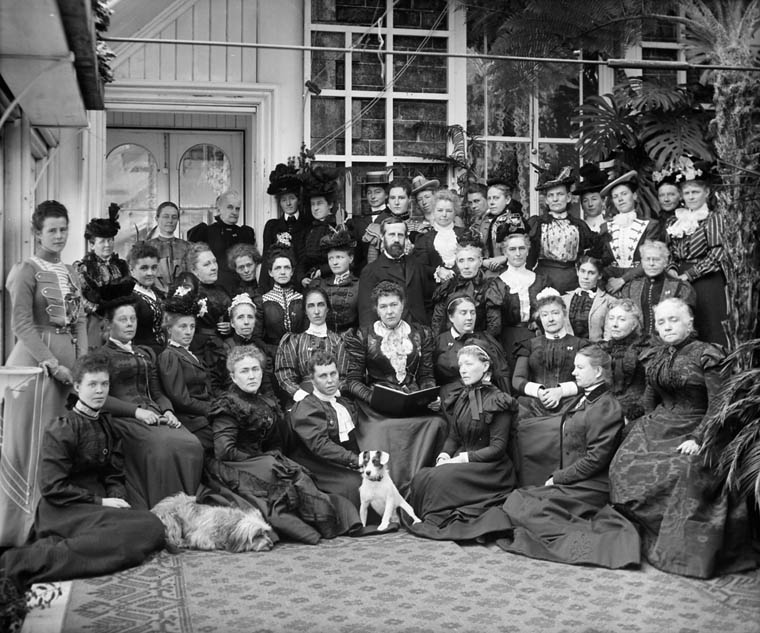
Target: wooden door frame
{"x": 256, "y": 101}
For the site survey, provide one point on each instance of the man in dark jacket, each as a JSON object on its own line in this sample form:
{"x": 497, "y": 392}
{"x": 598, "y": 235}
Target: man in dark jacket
{"x": 393, "y": 265}
{"x": 223, "y": 234}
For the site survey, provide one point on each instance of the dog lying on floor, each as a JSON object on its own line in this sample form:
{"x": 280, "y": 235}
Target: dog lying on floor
{"x": 192, "y": 525}
{"x": 379, "y": 491}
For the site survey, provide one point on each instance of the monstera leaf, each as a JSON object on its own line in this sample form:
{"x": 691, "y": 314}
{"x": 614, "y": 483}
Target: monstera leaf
{"x": 667, "y": 138}
{"x": 602, "y": 128}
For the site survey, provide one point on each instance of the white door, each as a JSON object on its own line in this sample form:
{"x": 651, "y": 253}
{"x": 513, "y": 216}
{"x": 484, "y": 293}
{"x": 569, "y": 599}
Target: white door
{"x": 190, "y": 168}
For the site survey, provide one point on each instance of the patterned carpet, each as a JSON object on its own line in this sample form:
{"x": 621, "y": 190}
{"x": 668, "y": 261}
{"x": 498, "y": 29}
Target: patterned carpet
{"x": 398, "y": 582}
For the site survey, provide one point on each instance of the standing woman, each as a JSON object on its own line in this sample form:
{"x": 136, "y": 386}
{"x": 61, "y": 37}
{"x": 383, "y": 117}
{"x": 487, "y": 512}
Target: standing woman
{"x": 322, "y": 193}
{"x": 460, "y": 498}
{"x": 626, "y": 232}
{"x": 503, "y": 217}
{"x": 289, "y": 228}
{"x": 213, "y": 324}
{"x": 100, "y": 267}
{"x": 587, "y": 305}
{"x": 668, "y": 195}
{"x": 48, "y": 316}
{"x": 342, "y": 285}
{"x": 283, "y": 304}
{"x": 695, "y": 238}
{"x": 436, "y": 250}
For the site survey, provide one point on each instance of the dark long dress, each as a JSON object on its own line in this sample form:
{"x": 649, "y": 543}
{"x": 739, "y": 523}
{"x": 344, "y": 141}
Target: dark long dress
{"x": 150, "y": 320}
{"x": 288, "y": 232}
{"x": 447, "y": 346}
{"x": 628, "y": 379}
{"x": 475, "y": 288}
{"x": 570, "y": 521}
{"x": 74, "y": 534}
{"x": 413, "y": 442}
{"x": 462, "y": 501}
{"x": 283, "y": 313}
{"x": 159, "y": 461}
{"x": 690, "y": 523}
{"x": 208, "y": 344}
{"x": 248, "y": 432}
{"x": 343, "y": 298}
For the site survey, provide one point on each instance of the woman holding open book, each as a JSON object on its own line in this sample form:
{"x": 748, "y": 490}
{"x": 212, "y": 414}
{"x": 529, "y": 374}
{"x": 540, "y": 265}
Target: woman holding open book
{"x": 396, "y": 354}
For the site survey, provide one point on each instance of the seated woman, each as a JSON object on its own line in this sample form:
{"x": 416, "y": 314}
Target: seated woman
{"x": 249, "y": 467}
{"x": 212, "y": 325}
{"x": 624, "y": 346}
{"x": 84, "y": 525}
{"x": 567, "y": 519}
{"x": 470, "y": 280}
{"x": 587, "y": 305}
{"x": 161, "y": 456}
{"x": 283, "y": 305}
{"x": 436, "y": 250}
{"x": 655, "y": 284}
{"x": 460, "y": 498}
{"x": 544, "y": 367}
{"x": 690, "y": 522}
{"x": 341, "y": 286}
{"x": 242, "y": 259}
{"x": 323, "y": 423}
{"x": 462, "y": 315}
{"x": 397, "y": 354}
{"x": 291, "y": 366}
{"x": 511, "y": 297}
{"x": 143, "y": 266}
{"x": 183, "y": 377}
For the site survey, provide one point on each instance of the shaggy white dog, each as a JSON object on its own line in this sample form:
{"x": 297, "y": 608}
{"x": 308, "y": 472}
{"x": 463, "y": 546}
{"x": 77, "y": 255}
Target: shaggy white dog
{"x": 193, "y": 525}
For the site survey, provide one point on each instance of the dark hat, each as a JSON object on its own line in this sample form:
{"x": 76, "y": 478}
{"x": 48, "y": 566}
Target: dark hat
{"x": 500, "y": 180}
{"x": 321, "y": 181}
{"x": 420, "y": 184}
{"x": 338, "y": 240}
{"x": 115, "y": 294}
{"x": 377, "y": 178}
{"x": 630, "y": 178}
{"x": 591, "y": 179}
{"x": 664, "y": 177}
{"x": 685, "y": 169}
{"x": 182, "y": 298}
{"x": 284, "y": 179}
{"x": 103, "y": 227}
{"x": 549, "y": 177}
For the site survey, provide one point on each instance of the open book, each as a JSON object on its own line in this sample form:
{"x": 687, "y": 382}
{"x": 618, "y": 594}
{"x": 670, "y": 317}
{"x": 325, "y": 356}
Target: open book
{"x": 398, "y": 403}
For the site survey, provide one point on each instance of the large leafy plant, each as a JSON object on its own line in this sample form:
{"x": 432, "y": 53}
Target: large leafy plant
{"x": 642, "y": 126}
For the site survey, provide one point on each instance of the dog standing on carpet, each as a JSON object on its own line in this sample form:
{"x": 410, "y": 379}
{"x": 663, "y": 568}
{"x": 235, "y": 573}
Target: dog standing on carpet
{"x": 379, "y": 491}
{"x": 194, "y": 525}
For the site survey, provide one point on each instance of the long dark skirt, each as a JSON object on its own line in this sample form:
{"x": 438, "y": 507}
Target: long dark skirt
{"x": 561, "y": 277}
{"x": 570, "y": 524}
{"x": 461, "y": 501}
{"x": 412, "y": 443}
{"x": 158, "y": 461}
{"x": 690, "y": 523}
{"x": 711, "y": 309}
{"x": 511, "y": 337}
{"x": 285, "y": 494}
{"x": 81, "y": 540}
{"x": 331, "y": 478}
{"x": 538, "y": 452}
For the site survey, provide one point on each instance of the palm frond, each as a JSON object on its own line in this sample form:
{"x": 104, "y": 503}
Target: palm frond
{"x": 602, "y": 127}
{"x": 667, "y": 138}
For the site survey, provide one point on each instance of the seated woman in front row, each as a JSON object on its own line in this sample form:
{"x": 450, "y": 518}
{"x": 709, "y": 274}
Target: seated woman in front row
{"x": 249, "y": 468}
{"x": 161, "y": 456}
{"x": 567, "y": 519}
{"x": 460, "y": 498}
{"x": 84, "y": 524}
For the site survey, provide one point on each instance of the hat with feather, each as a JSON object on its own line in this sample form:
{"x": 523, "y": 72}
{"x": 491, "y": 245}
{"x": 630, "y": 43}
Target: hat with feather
{"x": 338, "y": 240}
{"x": 321, "y": 182}
{"x": 104, "y": 227}
{"x": 115, "y": 294}
{"x": 284, "y": 179}
{"x": 550, "y": 177}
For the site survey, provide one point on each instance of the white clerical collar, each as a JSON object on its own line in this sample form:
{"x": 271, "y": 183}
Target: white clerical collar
{"x": 127, "y": 347}
{"x": 317, "y": 330}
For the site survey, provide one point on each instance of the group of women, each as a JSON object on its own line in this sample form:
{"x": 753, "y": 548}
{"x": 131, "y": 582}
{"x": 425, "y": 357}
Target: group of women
{"x": 576, "y": 367}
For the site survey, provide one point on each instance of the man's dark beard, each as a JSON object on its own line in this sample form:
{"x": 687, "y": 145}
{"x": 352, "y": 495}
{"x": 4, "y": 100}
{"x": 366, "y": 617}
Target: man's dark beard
{"x": 395, "y": 249}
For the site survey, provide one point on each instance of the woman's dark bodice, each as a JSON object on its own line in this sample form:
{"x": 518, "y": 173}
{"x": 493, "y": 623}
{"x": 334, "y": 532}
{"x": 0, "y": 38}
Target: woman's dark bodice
{"x": 551, "y": 361}
{"x": 254, "y": 416}
{"x": 457, "y": 285}
{"x": 217, "y": 301}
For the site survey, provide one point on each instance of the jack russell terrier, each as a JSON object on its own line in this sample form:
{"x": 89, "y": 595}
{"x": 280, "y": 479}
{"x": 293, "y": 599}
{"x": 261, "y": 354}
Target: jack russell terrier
{"x": 379, "y": 491}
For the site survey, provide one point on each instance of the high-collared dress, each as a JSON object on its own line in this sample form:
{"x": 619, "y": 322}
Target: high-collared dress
{"x": 447, "y": 346}
{"x": 628, "y": 379}
{"x": 75, "y": 535}
{"x": 476, "y": 288}
{"x": 587, "y": 312}
{"x": 647, "y": 292}
{"x": 208, "y": 343}
{"x": 149, "y": 306}
{"x": 185, "y": 382}
{"x": 285, "y": 232}
{"x": 159, "y": 460}
{"x": 462, "y": 501}
{"x": 623, "y": 238}
{"x": 570, "y": 521}
{"x": 691, "y": 523}
{"x": 283, "y": 313}
{"x": 343, "y": 296}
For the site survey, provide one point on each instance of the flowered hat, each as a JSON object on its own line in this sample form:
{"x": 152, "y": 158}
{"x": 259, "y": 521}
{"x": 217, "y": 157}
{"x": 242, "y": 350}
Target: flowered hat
{"x": 321, "y": 182}
{"x": 685, "y": 169}
{"x": 182, "y": 297}
{"x": 339, "y": 239}
{"x": 284, "y": 179}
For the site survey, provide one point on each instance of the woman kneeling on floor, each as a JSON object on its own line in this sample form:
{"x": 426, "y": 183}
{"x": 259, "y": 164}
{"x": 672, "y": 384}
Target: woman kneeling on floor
{"x": 84, "y": 524}
{"x": 460, "y": 498}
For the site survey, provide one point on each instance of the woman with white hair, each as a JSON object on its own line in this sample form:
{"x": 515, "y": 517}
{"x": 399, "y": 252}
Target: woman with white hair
{"x": 690, "y": 522}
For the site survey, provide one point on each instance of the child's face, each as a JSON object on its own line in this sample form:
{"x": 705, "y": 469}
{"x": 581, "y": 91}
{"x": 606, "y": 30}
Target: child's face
{"x": 92, "y": 389}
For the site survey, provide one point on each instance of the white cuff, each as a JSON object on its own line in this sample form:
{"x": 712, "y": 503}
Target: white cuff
{"x": 300, "y": 395}
{"x": 464, "y": 458}
{"x": 531, "y": 389}
{"x": 568, "y": 389}
{"x": 442, "y": 456}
